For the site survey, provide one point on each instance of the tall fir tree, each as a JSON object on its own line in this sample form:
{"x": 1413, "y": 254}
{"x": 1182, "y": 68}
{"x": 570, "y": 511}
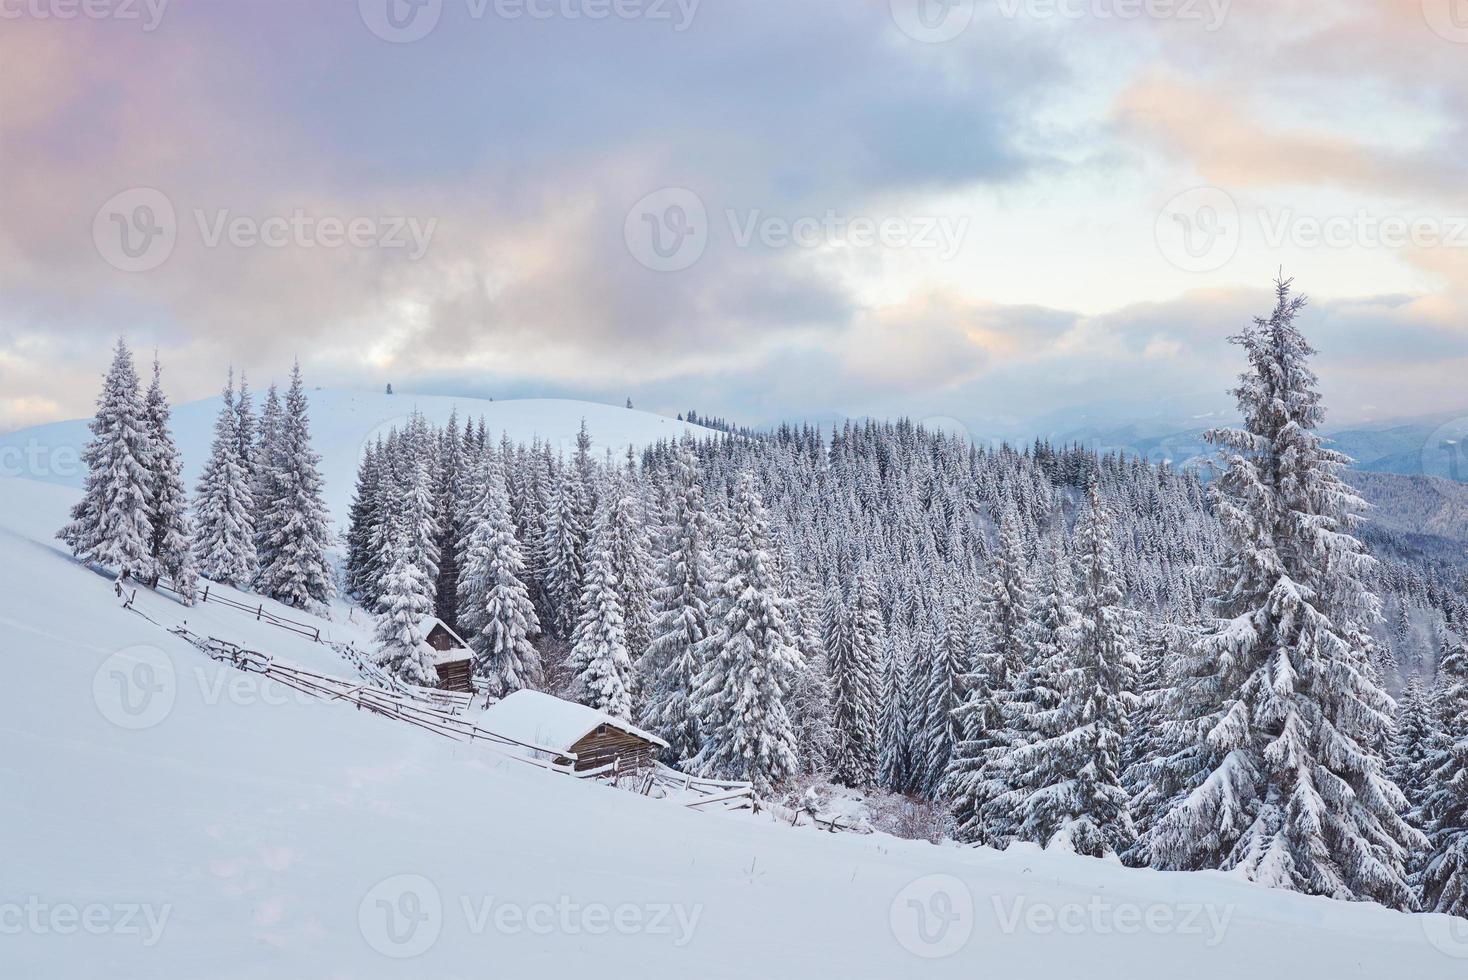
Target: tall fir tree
{"x": 749, "y": 662}
{"x": 171, "y": 544}
{"x": 295, "y": 530}
{"x": 563, "y": 551}
{"x": 853, "y": 641}
{"x": 111, "y": 525}
{"x": 1067, "y": 785}
{"x": 1445, "y": 880}
{"x": 224, "y": 506}
{"x": 1274, "y": 766}
{"x": 670, "y": 667}
{"x": 407, "y": 599}
{"x": 599, "y": 655}
{"x": 493, "y": 603}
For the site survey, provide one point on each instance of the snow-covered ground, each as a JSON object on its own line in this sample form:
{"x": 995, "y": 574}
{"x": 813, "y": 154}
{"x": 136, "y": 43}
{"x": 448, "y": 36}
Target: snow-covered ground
{"x": 165, "y": 816}
{"x": 343, "y": 422}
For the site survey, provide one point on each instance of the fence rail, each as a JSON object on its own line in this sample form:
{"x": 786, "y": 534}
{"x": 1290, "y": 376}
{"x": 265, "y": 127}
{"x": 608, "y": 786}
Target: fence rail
{"x": 258, "y": 610}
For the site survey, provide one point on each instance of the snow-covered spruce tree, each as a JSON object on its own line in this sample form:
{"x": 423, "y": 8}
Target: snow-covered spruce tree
{"x": 296, "y": 529}
{"x": 748, "y": 662}
{"x": 1273, "y": 763}
{"x": 263, "y": 488}
{"x": 363, "y": 568}
{"x": 494, "y": 605}
{"x": 1001, "y": 636}
{"x": 406, "y": 600}
{"x": 627, "y": 547}
{"x": 599, "y": 643}
{"x": 563, "y": 551}
{"x": 893, "y": 753}
{"x": 669, "y": 669}
{"x": 1067, "y": 784}
{"x": 947, "y": 688}
{"x": 171, "y": 545}
{"x": 224, "y": 507}
{"x": 982, "y": 773}
{"x": 452, "y": 499}
{"x": 1445, "y": 880}
{"x": 853, "y": 640}
{"x": 245, "y": 428}
{"x": 1411, "y": 745}
{"x": 111, "y": 526}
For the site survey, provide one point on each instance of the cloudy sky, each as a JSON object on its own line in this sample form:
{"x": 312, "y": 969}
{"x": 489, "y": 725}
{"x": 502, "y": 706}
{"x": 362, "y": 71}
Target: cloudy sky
{"x": 990, "y": 210}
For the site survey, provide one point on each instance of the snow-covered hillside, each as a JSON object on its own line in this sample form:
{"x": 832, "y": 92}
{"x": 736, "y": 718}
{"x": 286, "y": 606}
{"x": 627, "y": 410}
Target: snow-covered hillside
{"x": 342, "y": 422}
{"x": 165, "y": 816}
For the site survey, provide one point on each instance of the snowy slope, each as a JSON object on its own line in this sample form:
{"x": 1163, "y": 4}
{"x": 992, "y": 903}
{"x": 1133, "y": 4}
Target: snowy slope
{"x": 205, "y": 826}
{"x": 342, "y": 422}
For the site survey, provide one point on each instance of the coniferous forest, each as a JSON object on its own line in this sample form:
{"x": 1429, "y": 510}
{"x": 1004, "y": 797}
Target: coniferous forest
{"x": 1187, "y": 670}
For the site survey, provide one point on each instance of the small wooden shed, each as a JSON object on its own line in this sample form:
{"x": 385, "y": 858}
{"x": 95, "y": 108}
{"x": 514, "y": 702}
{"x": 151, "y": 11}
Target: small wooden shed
{"x": 454, "y": 662}
{"x": 595, "y": 738}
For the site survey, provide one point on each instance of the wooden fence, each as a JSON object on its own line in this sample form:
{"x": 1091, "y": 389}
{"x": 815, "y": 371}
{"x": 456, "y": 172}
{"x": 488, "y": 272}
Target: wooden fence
{"x": 259, "y": 611}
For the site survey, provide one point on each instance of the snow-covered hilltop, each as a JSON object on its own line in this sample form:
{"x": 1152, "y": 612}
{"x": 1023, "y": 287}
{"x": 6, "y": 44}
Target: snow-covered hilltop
{"x": 344, "y": 421}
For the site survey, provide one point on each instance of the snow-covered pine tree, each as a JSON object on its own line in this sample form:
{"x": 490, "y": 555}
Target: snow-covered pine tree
{"x": 111, "y": 526}
{"x": 171, "y": 544}
{"x": 1001, "y": 636}
{"x": 263, "y": 488}
{"x": 245, "y": 428}
{"x": 563, "y": 551}
{"x": 1274, "y": 763}
{"x": 406, "y": 601}
{"x": 224, "y": 507}
{"x": 450, "y": 496}
{"x": 296, "y": 528}
{"x": 627, "y": 547}
{"x": 1411, "y": 745}
{"x": 1068, "y": 783}
{"x": 363, "y": 569}
{"x": 853, "y": 642}
{"x": 1445, "y": 880}
{"x": 494, "y": 605}
{"x": 748, "y": 662}
{"x": 599, "y": 642}
{"x": 669, "y": 670}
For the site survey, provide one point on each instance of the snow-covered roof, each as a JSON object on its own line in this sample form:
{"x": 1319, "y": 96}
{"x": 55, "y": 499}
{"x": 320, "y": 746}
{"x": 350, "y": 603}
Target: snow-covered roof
{"x": 539, "y": 719}
{"x": 426, "y": 626}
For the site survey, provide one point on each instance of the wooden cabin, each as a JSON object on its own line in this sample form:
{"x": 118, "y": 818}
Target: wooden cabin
{"x": 454, "y": 661}
{"x": 594, "y": 738}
